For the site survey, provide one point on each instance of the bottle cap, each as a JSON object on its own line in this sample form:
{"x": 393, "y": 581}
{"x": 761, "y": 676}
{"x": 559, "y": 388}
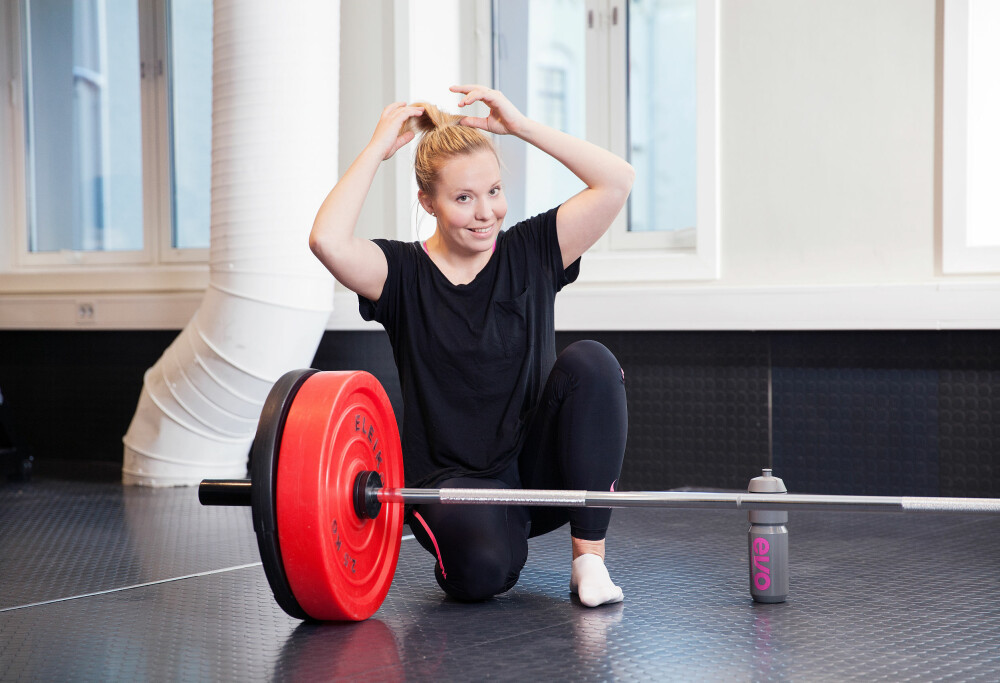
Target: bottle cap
{"x": 767, "y": 483}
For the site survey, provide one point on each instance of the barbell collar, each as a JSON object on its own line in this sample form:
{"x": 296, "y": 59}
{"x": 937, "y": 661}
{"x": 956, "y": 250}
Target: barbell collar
{"x": 366, "y": 487}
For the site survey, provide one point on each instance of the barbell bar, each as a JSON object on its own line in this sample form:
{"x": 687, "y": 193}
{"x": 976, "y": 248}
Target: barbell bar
{"x": 326, "y": 459}
{"x": 237, "y": 492}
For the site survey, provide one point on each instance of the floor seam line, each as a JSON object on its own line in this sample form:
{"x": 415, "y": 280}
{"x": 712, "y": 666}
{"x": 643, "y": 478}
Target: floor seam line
{"x": 210, "y": 572}
{"x": 144, "y": 585}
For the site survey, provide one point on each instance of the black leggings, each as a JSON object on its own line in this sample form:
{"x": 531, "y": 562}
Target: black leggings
{"x": 576, "y": 440}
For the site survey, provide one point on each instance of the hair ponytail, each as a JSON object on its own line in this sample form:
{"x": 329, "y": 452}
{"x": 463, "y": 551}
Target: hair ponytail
{"x": 442, "y": 139}
{"x": 432, "y": 119}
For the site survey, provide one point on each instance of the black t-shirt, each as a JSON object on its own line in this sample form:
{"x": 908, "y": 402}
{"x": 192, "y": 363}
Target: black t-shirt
{"x": 472, "y": 358}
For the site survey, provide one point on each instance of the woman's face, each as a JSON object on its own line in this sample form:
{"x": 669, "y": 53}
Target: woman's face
{"x": 468, "y": 202}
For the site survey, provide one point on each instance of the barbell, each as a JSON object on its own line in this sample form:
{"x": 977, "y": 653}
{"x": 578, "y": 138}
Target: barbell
{"x": 326, "y": 488}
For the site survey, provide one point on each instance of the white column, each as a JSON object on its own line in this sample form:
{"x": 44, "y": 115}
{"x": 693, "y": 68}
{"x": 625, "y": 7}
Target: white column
{"x": 274, "y": 158}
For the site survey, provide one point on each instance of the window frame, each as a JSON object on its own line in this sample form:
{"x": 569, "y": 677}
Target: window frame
{"x": 71, "y": 266}
{"x": 681, "y": 259}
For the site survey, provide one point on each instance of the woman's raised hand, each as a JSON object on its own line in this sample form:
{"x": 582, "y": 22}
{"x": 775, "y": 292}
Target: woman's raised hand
{"x": 503, "y": 119}
{"x": 387, "y": 138}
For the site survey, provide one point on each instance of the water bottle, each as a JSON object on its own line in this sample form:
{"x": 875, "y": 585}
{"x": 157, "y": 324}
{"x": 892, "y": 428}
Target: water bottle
{"x": 768, "y": 542}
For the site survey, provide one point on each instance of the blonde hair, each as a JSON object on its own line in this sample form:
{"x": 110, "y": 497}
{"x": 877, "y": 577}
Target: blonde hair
{"x": 443, "y": 139}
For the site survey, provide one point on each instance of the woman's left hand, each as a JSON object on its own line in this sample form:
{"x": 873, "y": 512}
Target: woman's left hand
{"x": 503, "y": 119}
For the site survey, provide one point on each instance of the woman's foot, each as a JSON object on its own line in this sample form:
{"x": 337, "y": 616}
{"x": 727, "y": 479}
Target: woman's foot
{"x": 589, "y": 578}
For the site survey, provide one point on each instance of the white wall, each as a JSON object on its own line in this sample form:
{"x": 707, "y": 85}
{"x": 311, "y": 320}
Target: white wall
{"x": 830, "y": 171}
{"x": 828, "y": 142}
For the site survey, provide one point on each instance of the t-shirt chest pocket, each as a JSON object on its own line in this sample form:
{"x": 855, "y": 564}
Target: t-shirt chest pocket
{"x": 512, "y": 324}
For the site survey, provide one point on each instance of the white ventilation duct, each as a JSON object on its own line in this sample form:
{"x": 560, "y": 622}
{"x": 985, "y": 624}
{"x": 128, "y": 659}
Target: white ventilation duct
{"x": 274, "y": 158}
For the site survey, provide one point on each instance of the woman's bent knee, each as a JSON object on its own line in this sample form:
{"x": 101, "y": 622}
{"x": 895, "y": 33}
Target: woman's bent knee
{"x": 590, "y": 359}
{"x": 479, "y": 576}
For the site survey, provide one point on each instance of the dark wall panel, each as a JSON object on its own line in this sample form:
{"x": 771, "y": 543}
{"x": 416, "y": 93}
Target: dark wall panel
{"x": 888, "y": 413}
{"x": 71, "y": 395}
{"x": 697, "y": 406}
{"x": 857, "y": 430}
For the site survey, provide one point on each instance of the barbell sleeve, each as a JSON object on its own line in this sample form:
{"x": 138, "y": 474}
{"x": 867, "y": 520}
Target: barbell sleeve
{"x": 225, "y": 492}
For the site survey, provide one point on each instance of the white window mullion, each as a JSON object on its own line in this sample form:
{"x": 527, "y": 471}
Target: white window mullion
{"x": 159, "y": 185}
{"x": 153, "y": 149}
{"x": 105, "y": 111}
{"x": 616, "y": 100}
{"x": 597, "y": 71}
{"x": 707, "y": 250}
{"x": 404, "y": 184}
{"x": 20, "y": 161}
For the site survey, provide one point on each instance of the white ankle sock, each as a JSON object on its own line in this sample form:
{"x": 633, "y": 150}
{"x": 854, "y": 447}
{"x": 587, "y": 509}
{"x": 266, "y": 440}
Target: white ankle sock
{"x": 590, "y": 580}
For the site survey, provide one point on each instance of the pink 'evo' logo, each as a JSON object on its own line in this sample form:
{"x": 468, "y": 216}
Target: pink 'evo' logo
{"x": 761, "y": 560}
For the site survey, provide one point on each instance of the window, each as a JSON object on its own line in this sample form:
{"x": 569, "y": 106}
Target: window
{"x": 99, "y": 100}
{"x": 83, "y": 184}
{"x": 638, "y": 77}
{"x": 662, "y": 122}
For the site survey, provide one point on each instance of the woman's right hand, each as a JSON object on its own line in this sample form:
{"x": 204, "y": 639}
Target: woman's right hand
{"x": 359, "y": 263}
{"x": 387, "y": 138}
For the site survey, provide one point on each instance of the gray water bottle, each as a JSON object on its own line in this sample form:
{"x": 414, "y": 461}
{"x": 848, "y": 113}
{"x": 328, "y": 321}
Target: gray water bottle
{"x": 768, "y": 543}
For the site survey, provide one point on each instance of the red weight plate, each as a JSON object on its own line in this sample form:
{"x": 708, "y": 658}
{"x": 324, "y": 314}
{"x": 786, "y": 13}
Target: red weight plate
{"x": 339, "y": 566}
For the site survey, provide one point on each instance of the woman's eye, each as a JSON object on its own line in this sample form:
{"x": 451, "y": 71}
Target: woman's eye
{"x": 495, "y": 191}
{"x": 462, "y": 198}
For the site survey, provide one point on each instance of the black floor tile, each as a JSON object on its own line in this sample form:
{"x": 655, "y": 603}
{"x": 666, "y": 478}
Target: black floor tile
{"x": 873, "y": 596}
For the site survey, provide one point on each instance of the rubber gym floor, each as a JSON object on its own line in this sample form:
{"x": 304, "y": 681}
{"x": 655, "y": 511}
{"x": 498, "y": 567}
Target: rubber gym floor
{"x": 104, "y": 582}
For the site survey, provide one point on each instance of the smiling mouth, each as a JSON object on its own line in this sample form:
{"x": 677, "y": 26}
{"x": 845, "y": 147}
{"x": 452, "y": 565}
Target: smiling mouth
{"x": 481, "y": 231}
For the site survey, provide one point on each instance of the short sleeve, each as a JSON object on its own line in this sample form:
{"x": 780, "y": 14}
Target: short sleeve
{"x": 384, "y": 310}
{"x": 564, "y": 276}
{"x": 540, "y": 236}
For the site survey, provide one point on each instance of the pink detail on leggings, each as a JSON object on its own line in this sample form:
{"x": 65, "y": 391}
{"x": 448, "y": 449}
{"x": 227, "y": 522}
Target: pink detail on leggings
{"x": 433, "y": 540}
{"x": 613, "y": 485}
